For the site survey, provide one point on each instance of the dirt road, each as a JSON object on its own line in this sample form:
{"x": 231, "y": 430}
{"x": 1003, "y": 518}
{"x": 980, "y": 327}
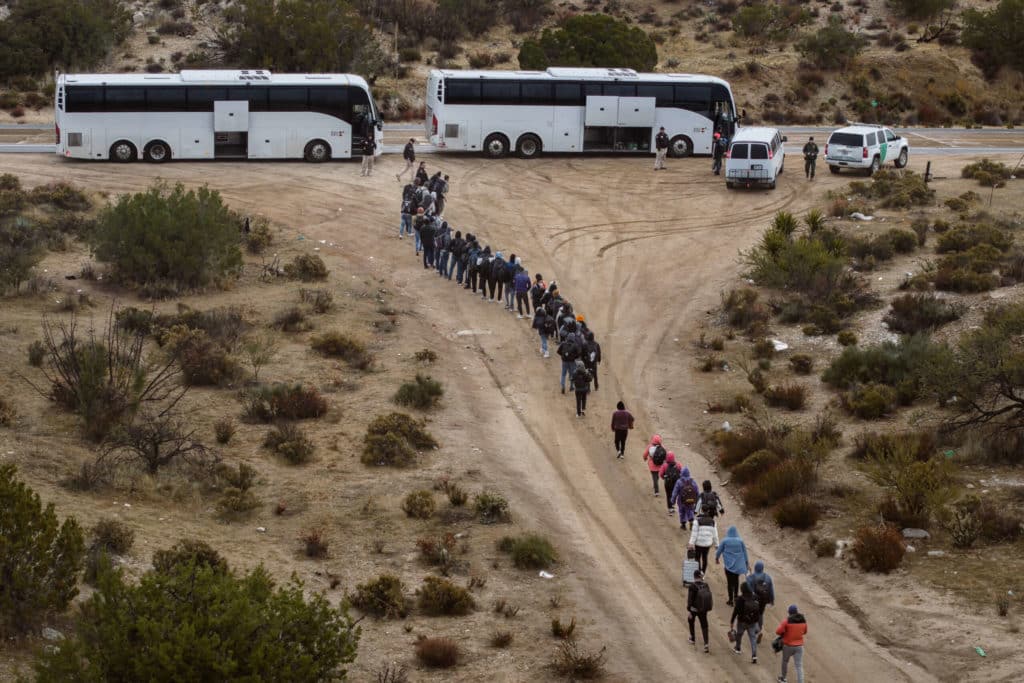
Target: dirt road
{"x": 643, "y": 256}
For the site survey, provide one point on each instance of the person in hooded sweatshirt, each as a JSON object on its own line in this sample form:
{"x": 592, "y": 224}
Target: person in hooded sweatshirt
{"x": 428, "y": 232}
{"x": 760, "y": 583}
{"x": 703, "y": 536}
{"x": 521, "y": 284}
{"x": 669, "y": 472}
{"x": 540, "y": 323}
{"x": 684, "y": 495}
{"x": 622, "y": 422}
{"x": 698, "y": 604}
{"x": 495, "y": 275}
{"x": 581, "y": 387}
{"x": 649, "y": 459}
{"x": 793, "y": 630}
{"x": 736, "y": 562}
{"x": 744, "y": 621}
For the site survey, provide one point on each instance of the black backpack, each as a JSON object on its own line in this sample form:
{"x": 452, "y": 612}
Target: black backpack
{"x": 709, "y": 506}
{"x": 549, "y": 325}
{"x": 751, "y": 611}
{"x": 702, "y": 601}
{"x": 659, "y": 455}
{"x": 762, "y": 591}
{"x": 672, "y": 474}
{"x": 569, "y": 350}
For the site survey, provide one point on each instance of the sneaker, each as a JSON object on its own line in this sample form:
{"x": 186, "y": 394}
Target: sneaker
{"x": 656, "y": 494}
{"x": 706, "y": 649}
{"x": 563, "y": 390}
{"x": 736, "y": 650}
{"x": 520, "y": 317}
{"x": 691, "y": 641}
{"x": 682, "y": 526}
{"x": 584, "y": 413}
{"x": 547, "y": 355}
{"x": 753, "y": 660}
{"x": 781, "y": 679}
{"x": 619, "y": 456}
{"x": 729, "y": 603}
{"x": 671, "y": 512}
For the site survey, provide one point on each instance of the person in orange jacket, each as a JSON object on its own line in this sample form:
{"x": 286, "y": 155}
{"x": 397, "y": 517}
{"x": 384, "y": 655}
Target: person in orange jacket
{"x": 654, "y": 456}
{"x": 793, "y": 630}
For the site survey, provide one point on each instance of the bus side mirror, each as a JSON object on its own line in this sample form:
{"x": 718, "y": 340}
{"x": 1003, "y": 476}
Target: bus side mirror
{"x": 785, "y": 139}
{"x": 380, "y": 124}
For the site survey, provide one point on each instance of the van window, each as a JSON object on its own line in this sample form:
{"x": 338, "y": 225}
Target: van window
{"x": 847, "y": 139}
{"x": 759, "y": 151}
{"x": 739, "y": 151}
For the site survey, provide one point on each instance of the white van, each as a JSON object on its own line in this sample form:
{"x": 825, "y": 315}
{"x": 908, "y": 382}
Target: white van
{"x": 756, "y": 157}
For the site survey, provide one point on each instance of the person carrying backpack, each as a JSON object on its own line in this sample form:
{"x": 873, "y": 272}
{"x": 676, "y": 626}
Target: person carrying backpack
{"x": 670, "y": 473}
{"x": 569, "y": 352}
{"x": 654, "y": 456}
{"x": 472, "y": 259}
{"x": 760, "y": 583}
{"x": 421, "y": 173}
{"x": 736, "y": 562}
{"x": 581, "y": 386}
{"x": 792, "y": 631}
{"x": 591, "y": 355}
{"x": 540, "y": 323}
{"x": 428, "y": 231}
{"x": 698, "y": 603}
{"x": 457, "y": 247}
{"x": 744, "y": 621}
{"x": 622, "y": 422}
{"x": 703, "y": 536}
{"x": 441, "y": 194}
{"x": 496, "y": 275}
{"x": 709, "y": 503}
{"x": 483, "y": 271}
{"x": 417, "y": 226}
{"x": 684, "y": 495}
{"x": 409, "y": 155}
{"x": 407, "y": 209}
{"x": 442, "y": 246}
{"x": 509, "y": 278}
{"x": 719, "y": 146}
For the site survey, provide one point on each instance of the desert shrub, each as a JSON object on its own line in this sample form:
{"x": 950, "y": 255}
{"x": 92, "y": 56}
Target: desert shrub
{"x": 262, "y": 630}
{"x": 900, "y": 365}
{"x": 410, "y": 54}
{"x": 988, "y": 173}
{"x": 437, "y": 550}
{"x": 314, "y": 543}
{"x": 188, "y": 552}
{"x": 964, "y": 237}
{"x": 737, "y": 404}
{"x": 306, "y": 267}
{"x": 7, "y": 413}
{"x": 480, "y": 60}
{"x": 913, "y": 313}
{"x": 60, "y": 195}
{"x": 393, "y": 440}
{"x": 171, "y": 237}
{"x": 576, "y": 664}
{"x": 290, "y": 442}
{"x": 492, "y": 507}
{"x": 919, "y": 487}
{"x": 113, "y": 535}
{"x": 595, "y": 40}
{"x": 903, "y": 241}
{"x": 224, "y": 430}
{"x": 530, "y": 551}
{"x": 439, "y": 653}
{"x": 961, "y": 523}
{"x": 419, "y": 504}
{"x": 383, "y": 596}
{"x": 39, "y": 558}
{"x": 340, "y": 345}
{"x": 9, "y": 181}
{"x": 440, "y": 597}
{"x": 737, "y": 445}
{"x": 791, "y": 477}
{"x": 426, "y": 356}
{"x": 742, "y": 308}
{"x": 964, "y": 281}
{"x": 895, "y": 189}
{"x": 789, "y": 396}
{"x": 423, "y": 392}
{"x": 320, "y": 300}
{"x": 798, "y": 512}
{"x": 203, "y": 361}
{"x": 755, "y": 465}
{"x": 998, "y": 524}
{"x": 870, "y": 401}
{"x": 457, "y": 495}
{"x": 878, "y": 548}
{"x": 822, "y": 547}
{"x": 259, "y": 236}
{"x": 292, "y": 319}
{"x": 847, "y": 338}
{"x": 526, "y": 15}
{"x": 831, "y": 47}
{"x": 992, "y": 34}
{"x": 20, "y": 250}
{"x": 801, "y": 363}
{"x": 769, "y": 20}
{"x": 563, "y": 631}
{"x": 281, "y": 401}
{"x": 922, "y": 9}
{"x": 36, "y": 354}
{"x": 871, "y": 445}
{"x": 501, "y": 639}
{"x": 763, "y": 348}
{"x": 236, "y": 502}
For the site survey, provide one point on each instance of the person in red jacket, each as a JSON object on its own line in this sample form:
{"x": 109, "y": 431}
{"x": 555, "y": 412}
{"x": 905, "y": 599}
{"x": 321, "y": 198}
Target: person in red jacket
{"x": 654, "y": 456}
{"x": 622, "y": 422}
{"x": 793, "y": 630}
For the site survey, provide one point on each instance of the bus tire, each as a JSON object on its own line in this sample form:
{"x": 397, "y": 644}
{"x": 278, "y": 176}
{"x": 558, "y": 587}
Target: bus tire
{"x": 496, "y": 146}
{"x": 528, "y": 146}
{"x": 680, "y": 146}
{"x": 157, "y": 152}
{"x": 317, "y": 152}
{"x": 123, "y": 152}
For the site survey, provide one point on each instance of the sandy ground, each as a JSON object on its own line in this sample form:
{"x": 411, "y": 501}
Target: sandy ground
{"x": 643, "y": 256}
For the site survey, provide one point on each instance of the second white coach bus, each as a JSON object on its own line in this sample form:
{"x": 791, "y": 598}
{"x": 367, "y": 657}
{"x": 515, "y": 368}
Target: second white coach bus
{"x": 246, "y": 114}
{"x": 574, "y": 110}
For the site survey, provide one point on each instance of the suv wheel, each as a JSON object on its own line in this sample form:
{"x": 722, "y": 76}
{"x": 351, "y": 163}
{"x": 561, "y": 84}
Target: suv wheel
{"x": 876, "y": 164}
{"x": 901, "y": 160}
{"x": 834, "y": 169}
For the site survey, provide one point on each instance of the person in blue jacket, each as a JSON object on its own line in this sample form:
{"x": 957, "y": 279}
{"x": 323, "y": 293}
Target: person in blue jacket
{"x": 760, "y": 583}
{"x": 736, "y": 562}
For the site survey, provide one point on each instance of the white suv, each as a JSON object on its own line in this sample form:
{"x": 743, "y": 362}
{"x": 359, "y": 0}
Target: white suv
{"x": 865, "y": 147}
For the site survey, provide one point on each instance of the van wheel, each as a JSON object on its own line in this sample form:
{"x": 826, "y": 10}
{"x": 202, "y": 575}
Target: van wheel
{"x": 528, "y": 147}
{"x": 834, "y": 169}
{"x": 496, "y": 146}
{"x": 123, "y": 152}
{"x": 157, "y": 152}
{"x": 876, "y": 164}
{"x": 317, "y": 152}
{"x": 771, "y": 185}
{"x": 901, "y": 160}
{"x": 680, "y": 146}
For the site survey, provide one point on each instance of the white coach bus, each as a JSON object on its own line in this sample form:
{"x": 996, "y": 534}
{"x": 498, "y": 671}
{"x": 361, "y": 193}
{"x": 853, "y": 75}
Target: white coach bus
{"x": 249, "y": 114}
{"x": 574, "y": 110}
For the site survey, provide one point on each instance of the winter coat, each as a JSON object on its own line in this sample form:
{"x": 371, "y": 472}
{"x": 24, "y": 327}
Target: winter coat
{"x": 704, "y": 535}
{"x": 739, "y": 610}
{"x": 522, "y": 282}
{"x": 793, "y": 630}
{"x": 581, "y": 380}
{"x": 409, "y": 152}
{"x": 648, "y": 459}
{"x": 670, "y": 459}
{"x": 754, "y": 578}
{"x": 691, "y": 596}
{"x": 735, "y": 552}
{"x": 539, "y": 318}
{"x": 677, "y": 491}
{"x": 622, "y": 419}
{"x": 708, "y": 496}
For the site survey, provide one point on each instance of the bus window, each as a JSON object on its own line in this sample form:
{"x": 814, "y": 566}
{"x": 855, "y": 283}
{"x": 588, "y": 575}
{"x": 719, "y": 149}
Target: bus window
{"x": 125, "y": 99}
{"x": 329, "y": 99}
{"x": 499, "y": 92}
{"x": 536, "y": 93}
{"x": 462, "y": 91}
{"x": 696, "y": 98}
{"x": 166, "y": 98}
{"x": 662, "y": 94}
{"x": 84, "y": 98}
{"x": 568, "y": 95}
{"x": 255, "y": 96}
{"x": 201, "y": 98}
{"x": 592, "y": 89}
{"x": 620, "y": 89}
{"x": 288, "y": 99}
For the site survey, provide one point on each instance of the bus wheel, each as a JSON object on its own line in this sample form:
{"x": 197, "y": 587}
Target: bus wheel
{"x": 680, "y": 146}
{"x": 528, "y": 147}
{"x": 123, "y": 152}
{"x": 317, "y": 152}
{"x": 157, "y": 152}
{"x": 496, "y": 146}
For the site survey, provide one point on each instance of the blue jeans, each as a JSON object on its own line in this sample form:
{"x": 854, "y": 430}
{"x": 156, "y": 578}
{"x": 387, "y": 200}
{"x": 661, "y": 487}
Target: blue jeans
{"x": 442, "y": 262}
{"x": 419, "y": 244}
{"x": 460, "y": 272}
{"x": 509, "y": 295}
{"x": 451, "y": 267}
{"x": 751, "y": 631}
{"x": 405, "y": 227}
{"x": 568, "y": 367}
{"x": 543, "y": 343}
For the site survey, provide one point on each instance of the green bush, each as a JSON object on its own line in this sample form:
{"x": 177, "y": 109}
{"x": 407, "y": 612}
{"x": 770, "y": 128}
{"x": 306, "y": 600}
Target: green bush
{"x": 440, "y": 597}
{"x": 393, "y": 440}
{"x": 964, "y": 281}
{"x": 306, "y": 267}
{"x": 790, "y": 478}
{"x": 492, "y": 508}
{"x": 769, "y": 20}
{"x": 743, "y": 310}
{"x": 831, "y": 47}
{"x": 903, "y": 241}
{"x": 36, "y": 354}
{"x": 291, "y": 443}
{"x": 20, "y": 251}
{"x": 203, "y": 362}
{"x": 530, "y": 551}
{"x": 423, "y": 393}
{"x": 280, "y": 401}
{"x": 922, "y": 9}
{"x": 169, "y": 238}
{"x": 259, "y": 236}
{"x": 878, "y": 548}
{"x": 60, "y": 195}
{"x": 874, "y": 445}
{"x": 964, "y": 237}
{"x": 9, "y": 181}
{"x": 995, "y": 36}
{"x": 39, "y": 559}
{"x": 340, "y": 345}
{"x": 913, "y": 313}
{"x": 847, "y": 338}
{"x": 590, "y": 40}
{"x": 438, "y": 653}
{"x": 188, "y": 552}
{"x": 113, "y": 535}
{"x": 419, "y": 504}
{"x": 789, "y": 396}
{"x": 261, "y": 630}
{"x": 755, "y": 465}
{"x": 987, "y": 173}
{"x": 899, "y": 365}
{"x": 383, "y": 596}
{"x": 919, "y": 487}
{"x": 871, "y": 401}
{"x": 798, "y": 512}
{"x": 410, "y": 54}
{"x": 895, "y": 189}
